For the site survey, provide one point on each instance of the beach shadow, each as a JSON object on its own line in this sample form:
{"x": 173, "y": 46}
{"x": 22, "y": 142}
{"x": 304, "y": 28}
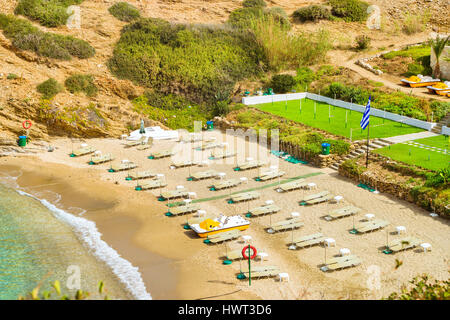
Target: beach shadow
{"x": 221, "y": 282}
{"x": 190, "y": 234}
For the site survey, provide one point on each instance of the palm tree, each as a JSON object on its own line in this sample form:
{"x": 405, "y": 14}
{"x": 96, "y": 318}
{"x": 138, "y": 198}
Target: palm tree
{"x": 438, "y": 46}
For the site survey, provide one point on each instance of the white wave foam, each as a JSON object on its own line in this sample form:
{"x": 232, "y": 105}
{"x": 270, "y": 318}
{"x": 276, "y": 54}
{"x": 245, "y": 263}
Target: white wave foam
{"x": 88, "y": 233}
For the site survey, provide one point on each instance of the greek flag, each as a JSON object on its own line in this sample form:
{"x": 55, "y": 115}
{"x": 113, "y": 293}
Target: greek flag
{"x": 366, "y": 116}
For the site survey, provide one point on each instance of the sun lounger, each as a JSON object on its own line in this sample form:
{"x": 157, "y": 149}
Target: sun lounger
{"x": 283, "y": 225}
{"x": 122, "y": 166}
{"x": 222, "y": 155}
{"x": 204, "y": 175}
{"x": 262, "y": 272}
{"x": 342, "y": 212}
{"x": 315, "y": 196}
{"x": 143, "y": 147}
{"x": 153, "y": 184}
{"x": 141, "y": 175}
{"x": 249, "y": 165}
{"x": 130, "y": 144}
{"x": 173, "y": 194}
{"x": 267, "y": 209}
{"x": 161, "y": 154}
{"x": 370, "y": 226}
{"x": 225, "y": 184}
{"x": 293, "y": 185}
{"x": 404, "y": 244}
{"x": 270, "y": 175}
{"x": 83, "y": 151}
{"x": 183, "y": 164}
{"x": 341, "y": 263}
{"x": 224, "y": 236}
{"x": 180, "y": 210}
{"x": 319, "y": 200}
{"x": 307, "y": 241}
{"x": 210, "y": 145}
{"x": 101, "y": 159}
{"x": 245, "y": 196}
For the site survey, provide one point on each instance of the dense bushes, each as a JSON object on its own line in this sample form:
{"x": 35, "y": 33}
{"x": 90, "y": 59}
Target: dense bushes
{"x": 49, "y": 88}
{"x": 421, "y": 56}
{"x": 199, "y": 62}
{"x": 254, "y": 4}
{"x": 423, "y": 289}
{"x": 349, "y": 10}
{"x": 312, "y": 13}
{"x": 282, "y": 83}
{"x": 304, "y": 78}
{"x": 49, "y": 13}
{"x": 124, "y": 11}
{"x": 25, "y": 36}
{"x": 243, "y": 18}
{"x": 81, "y": 83}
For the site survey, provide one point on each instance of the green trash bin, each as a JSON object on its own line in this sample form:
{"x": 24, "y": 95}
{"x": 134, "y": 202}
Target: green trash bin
{"x": 325, "y": 148}
{"x": 210, "y": 125}
{"x": 22, "y": 141}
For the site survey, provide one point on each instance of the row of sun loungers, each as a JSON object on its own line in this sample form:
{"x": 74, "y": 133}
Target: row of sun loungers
{"x": 245, "y": 196}
{"x": 320, "y": 197}
{"x": 306, "y": 241}
{"x": 141, "y": 175}
{"x": 267, "y": 209}
{"x": 184, "y": 209}
{"x": 161, "y": 154}
{"x": 404, "y": 244}
{"x": 283, "y": 225}
{"x": 249, "y": 165}
{"x": 174, "y": 194}
{"x": 371, "y": 225}
{"x": 208, "y": 174}
{"x": 153, "y": 184}
{"x": 210, "y": 145}
{"x": 101, "y": 159}
{"x": 183, "y": 164}
{"x": 222, "y": 155}
{"x": 270, "y": 175}
{"x": 224, "y": 236}
{"x": 143, "y": 141}
{"x": 226, "y": 184}
{"x": 342, "y": 212}
{"x": 82, "y": 151}
{"x": 341, "y": 263}
{"x": 262, "y": 272}
{"x": 123, "y": 166}
{"x": 293, "y": 185}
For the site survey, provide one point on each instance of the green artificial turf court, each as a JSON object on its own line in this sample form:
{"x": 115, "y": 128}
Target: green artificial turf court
{"x": 430, "y": 153}
{"x": 333, "y": 119}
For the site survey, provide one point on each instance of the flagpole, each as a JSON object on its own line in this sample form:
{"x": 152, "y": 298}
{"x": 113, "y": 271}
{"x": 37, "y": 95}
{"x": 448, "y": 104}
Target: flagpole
{"x": 367, "y": 156}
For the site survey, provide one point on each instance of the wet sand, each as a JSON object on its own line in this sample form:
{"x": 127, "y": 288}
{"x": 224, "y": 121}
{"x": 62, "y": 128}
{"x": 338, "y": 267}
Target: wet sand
{"x": 175, "y": 264}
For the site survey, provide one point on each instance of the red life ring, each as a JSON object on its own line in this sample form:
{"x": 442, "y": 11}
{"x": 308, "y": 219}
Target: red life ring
{"x": 27, "y": 124}
{"x": 245, "y": 250}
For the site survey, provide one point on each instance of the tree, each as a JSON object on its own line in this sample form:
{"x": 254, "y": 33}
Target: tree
{"x": 438, "y": 46}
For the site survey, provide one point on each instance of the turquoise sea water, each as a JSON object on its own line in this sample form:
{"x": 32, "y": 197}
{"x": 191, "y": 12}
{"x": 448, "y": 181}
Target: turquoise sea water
{"x": 40, "y": 243}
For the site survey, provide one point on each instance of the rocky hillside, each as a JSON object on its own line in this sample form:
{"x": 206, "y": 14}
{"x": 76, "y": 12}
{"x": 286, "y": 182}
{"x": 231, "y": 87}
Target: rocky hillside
{"x": 110, "y": 113}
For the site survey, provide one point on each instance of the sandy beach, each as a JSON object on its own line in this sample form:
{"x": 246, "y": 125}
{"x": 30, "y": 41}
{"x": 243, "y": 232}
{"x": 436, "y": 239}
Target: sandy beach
{"x": 176, "y": 264}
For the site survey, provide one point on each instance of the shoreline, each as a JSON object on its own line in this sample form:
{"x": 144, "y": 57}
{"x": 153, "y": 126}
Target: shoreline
{"x": 136, "y": 227}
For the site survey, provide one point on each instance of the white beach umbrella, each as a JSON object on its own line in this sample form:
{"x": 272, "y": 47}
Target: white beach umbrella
{"x": 244, "y": 179}
{"x": 84, "y": 145}
{"x": 269, "y": 202}
{"x": 295, "y": 214}
{"x": 180, "y": 187}
{"x": 249, "y": 159}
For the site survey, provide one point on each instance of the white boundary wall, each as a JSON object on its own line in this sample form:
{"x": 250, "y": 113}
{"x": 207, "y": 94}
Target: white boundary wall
{"x": 446, "y": 130}
{"x": 339, "y": 103}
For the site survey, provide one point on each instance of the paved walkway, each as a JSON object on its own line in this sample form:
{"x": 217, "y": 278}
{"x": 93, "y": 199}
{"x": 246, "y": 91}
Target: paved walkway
{"x": 411, "y": 136}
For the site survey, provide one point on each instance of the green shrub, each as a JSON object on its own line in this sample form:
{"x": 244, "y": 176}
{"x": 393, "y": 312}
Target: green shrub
{"x": 440, "y": 109}
{"x": 242, "y": 17}
{"x": 339, "y": 147}
{"x": 279, "y": 15}
{"x": 124, "y": 11}
{"x": 49, "y": 88}
{"x": 305, "y": 76}
{"x": 198, "y": 62}
{"x": 25, "y": 36}
{"x": 166, "y": 101}
{"x": 349, "y": 10}
{"x": 362, "y": 42}
{"x": 312, "y": 13}
{"x": 49, "y": 13}
{"x": 423, "y": 289}
{"x": 81, "y": 83}
{"x": 254, "y": 4}
{"x": 282, "y": 83}
{"x": 12, "y": 76}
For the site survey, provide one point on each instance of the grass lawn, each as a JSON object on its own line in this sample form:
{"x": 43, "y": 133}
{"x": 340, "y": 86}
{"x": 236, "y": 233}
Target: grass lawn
{"x": 416, "y": 152}
{"x": 379, "y": 128}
